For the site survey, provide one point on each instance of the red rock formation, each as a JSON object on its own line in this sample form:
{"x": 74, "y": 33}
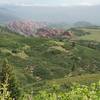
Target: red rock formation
{"x": 67, "y": 34}
{"x": 28, "y": 28}
{"x": 25, "y": 27}
{"x": 47, "y": 32}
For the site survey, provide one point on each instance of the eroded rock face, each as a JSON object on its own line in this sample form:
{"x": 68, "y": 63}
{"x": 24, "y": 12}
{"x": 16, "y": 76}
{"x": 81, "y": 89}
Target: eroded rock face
{"x": 48, "y": 32}
{"x": 30, "y": 28}
{"x": 25, "y": 27}
{"x": 67, "y": 34}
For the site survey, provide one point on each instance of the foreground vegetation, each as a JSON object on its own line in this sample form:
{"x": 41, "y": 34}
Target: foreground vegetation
{"x": 76, "y": 92}
{"x": 46, "y": 68}
{"x": 10, "y": 90}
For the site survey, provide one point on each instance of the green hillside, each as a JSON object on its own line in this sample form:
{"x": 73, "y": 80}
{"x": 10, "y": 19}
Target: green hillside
{"x": 39, "y": 60}
{"x": 95, "y": 34}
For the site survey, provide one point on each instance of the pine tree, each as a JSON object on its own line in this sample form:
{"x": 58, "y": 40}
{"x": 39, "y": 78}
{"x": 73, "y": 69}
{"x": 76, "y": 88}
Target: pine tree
{"x": 4, "y": 93}
{"x": 8, "y": 74}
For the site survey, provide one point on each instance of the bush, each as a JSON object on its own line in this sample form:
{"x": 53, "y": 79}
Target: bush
{"x": 78, "y": 92}
{"x": 41, "y": 72}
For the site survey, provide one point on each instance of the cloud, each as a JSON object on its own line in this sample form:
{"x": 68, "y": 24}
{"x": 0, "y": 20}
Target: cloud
{"x": 50, "y": 2}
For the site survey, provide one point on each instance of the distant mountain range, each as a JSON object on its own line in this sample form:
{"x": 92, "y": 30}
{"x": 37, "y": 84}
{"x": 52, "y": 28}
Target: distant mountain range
{"x": 68, "y": 15}
{"x": 83, "y": 24}
{"x": 7, "y": 15}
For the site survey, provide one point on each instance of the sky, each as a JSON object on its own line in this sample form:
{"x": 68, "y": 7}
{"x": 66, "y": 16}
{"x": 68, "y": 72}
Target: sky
{"x": 51, "y": 2}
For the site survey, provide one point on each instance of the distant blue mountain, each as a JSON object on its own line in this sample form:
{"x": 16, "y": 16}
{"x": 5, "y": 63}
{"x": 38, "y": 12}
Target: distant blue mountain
{"x": 67, "y": 15}
{"x": 7, "y": 15}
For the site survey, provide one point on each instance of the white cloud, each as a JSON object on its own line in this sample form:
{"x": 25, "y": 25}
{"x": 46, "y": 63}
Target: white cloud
{"x": 50, "y": 2}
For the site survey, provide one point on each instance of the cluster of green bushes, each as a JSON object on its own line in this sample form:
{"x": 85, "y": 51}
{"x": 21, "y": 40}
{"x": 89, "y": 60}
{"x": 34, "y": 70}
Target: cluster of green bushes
{"x": 77, "y": 92}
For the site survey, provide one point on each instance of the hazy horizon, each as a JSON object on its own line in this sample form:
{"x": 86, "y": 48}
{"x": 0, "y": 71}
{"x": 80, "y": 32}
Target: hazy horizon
{"x": 43, "y": 10}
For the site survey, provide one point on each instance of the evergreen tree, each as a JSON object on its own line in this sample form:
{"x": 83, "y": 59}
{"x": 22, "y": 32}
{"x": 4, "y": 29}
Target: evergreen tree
{"x": 8, "y": 74}
{"x": 4, "y": 93}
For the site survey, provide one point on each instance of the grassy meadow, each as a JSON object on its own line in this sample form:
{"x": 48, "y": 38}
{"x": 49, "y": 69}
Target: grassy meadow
{"x": 95, "y": 34}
